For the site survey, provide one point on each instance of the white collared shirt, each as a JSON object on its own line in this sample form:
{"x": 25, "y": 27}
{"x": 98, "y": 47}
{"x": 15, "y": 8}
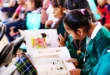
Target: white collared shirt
{"x": 94, "y": 33}
{"x": 96, "y": 29}
{"x": 37, "y": 11}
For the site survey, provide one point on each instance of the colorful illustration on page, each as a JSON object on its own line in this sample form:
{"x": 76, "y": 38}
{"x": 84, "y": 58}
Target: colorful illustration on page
{"x": 40, "y": 41}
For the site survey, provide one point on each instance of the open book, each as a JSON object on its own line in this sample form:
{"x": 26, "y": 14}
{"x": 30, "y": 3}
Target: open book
{"x": 46, "y": 56}
{"x": 52, "y": 61}
{"x": 41, "y": 39}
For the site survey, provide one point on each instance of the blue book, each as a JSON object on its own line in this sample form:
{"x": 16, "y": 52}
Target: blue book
{"x": 33, "y": 21}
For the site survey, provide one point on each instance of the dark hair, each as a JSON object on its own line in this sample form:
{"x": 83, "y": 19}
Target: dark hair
{"x": 57, "y": 3}
{"x": 38, "y": 3}
{"x": 76, "y": 4}
{"x": 78, "y": 18}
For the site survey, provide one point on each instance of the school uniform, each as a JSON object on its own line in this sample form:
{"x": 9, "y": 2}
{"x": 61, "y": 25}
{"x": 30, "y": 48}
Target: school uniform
{"x": 70, "y": 45}
{"x": 61, "y": 29}
{"x": 100, "y": 40}
{"x": 103, "y": 66}
{"x": 73, "y": 50}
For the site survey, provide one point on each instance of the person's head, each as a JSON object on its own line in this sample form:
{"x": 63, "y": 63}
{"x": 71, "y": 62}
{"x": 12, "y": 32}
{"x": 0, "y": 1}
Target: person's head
{"x": 77, "y": 23}
{"x": 58, "y": 7}
{"x": 34, "y": 4}
{"x": 20, "y": 2}
{"x": 101, "y": 2}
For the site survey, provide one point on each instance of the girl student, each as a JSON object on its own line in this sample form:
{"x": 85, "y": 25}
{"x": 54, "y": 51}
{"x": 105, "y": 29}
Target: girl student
{"x": 79, "y": 26}
{"x": 58, "y": 12}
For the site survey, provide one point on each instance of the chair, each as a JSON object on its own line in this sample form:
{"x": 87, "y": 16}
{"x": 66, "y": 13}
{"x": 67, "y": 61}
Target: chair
{"x": 2, "y": 31}
{"x": 17, "y": 43}
{"x": 6, "y": 54}
{"x": 9, "y": 50}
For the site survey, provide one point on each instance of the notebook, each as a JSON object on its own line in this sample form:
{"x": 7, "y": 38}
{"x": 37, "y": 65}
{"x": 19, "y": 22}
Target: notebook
{"x": 33, "y": 21}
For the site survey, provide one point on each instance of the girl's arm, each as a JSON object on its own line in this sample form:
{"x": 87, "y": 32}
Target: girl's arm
{"x": 44, "y": 15}
{"x": 14, "y": 16}
{"x": 16, "y": 13}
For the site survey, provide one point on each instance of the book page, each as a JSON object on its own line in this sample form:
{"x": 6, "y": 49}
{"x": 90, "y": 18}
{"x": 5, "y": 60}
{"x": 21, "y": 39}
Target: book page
{"x": 52, "y": 61}
{"x": 41, "y": 39}
{"x": 51, "y": 65}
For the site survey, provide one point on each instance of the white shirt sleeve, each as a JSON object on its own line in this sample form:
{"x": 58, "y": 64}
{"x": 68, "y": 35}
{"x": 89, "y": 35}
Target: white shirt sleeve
{"x": 50, "y": 13}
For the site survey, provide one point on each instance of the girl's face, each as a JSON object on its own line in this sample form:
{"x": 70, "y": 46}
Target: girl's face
{"x": 75, "y": 35}
{"x": 30, "y": 5}
{"x": 58, "y": 12}
{"x": 101, "y": 2}
{"x": 20, "y": 1}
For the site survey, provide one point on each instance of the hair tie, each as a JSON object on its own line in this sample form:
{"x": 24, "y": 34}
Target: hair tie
{"x": 82, "y": 11}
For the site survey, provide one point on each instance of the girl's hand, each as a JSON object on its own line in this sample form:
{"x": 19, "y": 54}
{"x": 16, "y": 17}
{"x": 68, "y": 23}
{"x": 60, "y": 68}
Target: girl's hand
{"x": 48, "y": 23}
{"x": 74, "y": 61}
{"x": 61, "y": 40}
{"x": 75, "y": 72}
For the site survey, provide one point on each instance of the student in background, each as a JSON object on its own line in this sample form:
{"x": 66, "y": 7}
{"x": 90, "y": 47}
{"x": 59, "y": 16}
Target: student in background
{"x": 106, "y": 18}
{"x": 8, "y": 8}
{"x": 101, "y": 7}
{"x": 70, "y": 5}
{"x": 10, "y": 3}
{"x": 47, "y": 17}
{"x": 21, "y": 9}
{"x": 34, "y": 6}
{"x": 17, "y": 19}
{"x": 79, "y": 26}
{"x": 77, "y": 4}
{"x": 58, "y": 11}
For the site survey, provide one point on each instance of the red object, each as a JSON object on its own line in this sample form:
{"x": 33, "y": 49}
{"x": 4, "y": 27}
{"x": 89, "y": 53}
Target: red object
{"x": 101, "y": 9}
{"x": 107, "y": 15}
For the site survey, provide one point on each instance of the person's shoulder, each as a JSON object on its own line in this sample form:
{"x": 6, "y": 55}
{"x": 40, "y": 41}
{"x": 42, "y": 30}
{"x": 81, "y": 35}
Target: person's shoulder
{"x": 103, "y": 33}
